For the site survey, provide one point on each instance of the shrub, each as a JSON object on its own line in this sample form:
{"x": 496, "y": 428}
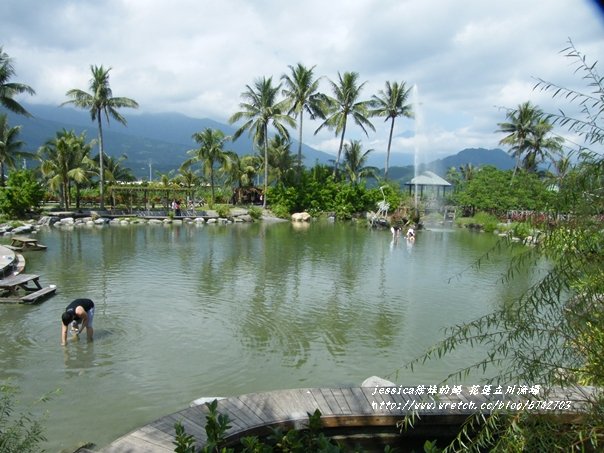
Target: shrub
{"x": 286, "y": 198}
{"x": 255, "y": 212}
{"x": 521, "y": 230}
{"x": 318, "y": 192}
{"x": 19, "y": 433}
{"x": 309, "y": 439}
{"x": 22, "y": 194}
{"x": 293, "y": 440}
{"x": 491, "y": 190}
{"x": 487, "y": 222}
{"x": 280, "y": 211}
{"x": 223, "y": 211}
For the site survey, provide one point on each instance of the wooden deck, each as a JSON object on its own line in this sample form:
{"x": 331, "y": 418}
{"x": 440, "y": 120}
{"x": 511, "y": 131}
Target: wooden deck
{"x": 348, "y": 410}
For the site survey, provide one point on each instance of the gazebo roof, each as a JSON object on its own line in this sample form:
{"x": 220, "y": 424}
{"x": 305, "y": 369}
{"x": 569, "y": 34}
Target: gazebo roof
{"x": 428, "y": 178}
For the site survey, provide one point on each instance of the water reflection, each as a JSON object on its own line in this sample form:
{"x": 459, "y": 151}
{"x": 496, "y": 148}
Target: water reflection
{"x": 78, "y": 358}
{"x": 309, "y": 299}
{"x": 187, "y": 311}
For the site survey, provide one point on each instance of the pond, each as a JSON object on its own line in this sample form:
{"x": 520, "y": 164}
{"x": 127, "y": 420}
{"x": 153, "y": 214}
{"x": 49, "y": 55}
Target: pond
{"x": 186, "y": 311}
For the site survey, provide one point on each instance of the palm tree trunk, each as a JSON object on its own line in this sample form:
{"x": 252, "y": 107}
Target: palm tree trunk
{"x": 2, "y": 180}
{"x": 300, "y": 148}
{"x": 65, "y": 197}
{"x": 101, "y": 170}
{"x": 68, "y": 196}
{"x": 212, "y": 181}
{"x": 515, "y": 168}
{"x": 388, "y": 151}
{"x": 77, "y": 200}
{"x": 265, "y": 166}
{"x": 335, "y": 168}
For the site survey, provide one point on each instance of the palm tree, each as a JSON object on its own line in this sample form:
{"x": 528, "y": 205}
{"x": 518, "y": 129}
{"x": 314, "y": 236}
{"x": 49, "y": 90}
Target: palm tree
{"x": 100, "y": 101}
{"x": 260, "y": 109}
{"x": 165, "y": 179}
{"x": 302, "y": 92}
{"x": 454, "y": 177}
{"x": 563, "y": 167}
{"x": 244, "y": 170}
{"x": 521, "y": 124}
{"x": 210, "y": 153}
{"x": 280, "y": 158}
{"x": 115, "y": 171}
{"x": 63, "y": 160}
{"x": 355, "y": 160}
{"x": 343, "y": 104}
{"x": 10, "y": 147}
{"x": 84, "y": 168}
{"x": 8, "y": 89}
{"x": 467, "y": 172}
{"x": 541, "y": 146}
{"x": 391, "y": 103}
{"x": 242, "y": 173}
{"x": 189, "y": 179}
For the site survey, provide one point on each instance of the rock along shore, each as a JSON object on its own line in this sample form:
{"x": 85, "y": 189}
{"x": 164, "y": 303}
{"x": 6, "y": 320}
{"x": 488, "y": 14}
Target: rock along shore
{"x": 68, "y": 219}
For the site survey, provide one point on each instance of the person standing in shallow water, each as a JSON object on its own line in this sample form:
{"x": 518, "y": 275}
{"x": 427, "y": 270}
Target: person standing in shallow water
{"x": 81, "y": 313}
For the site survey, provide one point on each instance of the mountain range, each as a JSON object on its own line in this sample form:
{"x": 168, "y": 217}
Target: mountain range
{"x": 158, "y": 143}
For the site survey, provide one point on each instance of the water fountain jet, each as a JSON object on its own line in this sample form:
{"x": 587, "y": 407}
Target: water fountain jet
{"x": 416, "y": 147}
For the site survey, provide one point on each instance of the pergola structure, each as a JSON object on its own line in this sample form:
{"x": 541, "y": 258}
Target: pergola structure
{"x": 428, "y": 182}
{"x": 133, "y": 195}
{"x": 149, "y": 196}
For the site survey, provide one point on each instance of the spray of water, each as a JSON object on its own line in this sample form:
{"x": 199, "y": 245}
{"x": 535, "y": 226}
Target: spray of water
{"x": 417, "y": 139}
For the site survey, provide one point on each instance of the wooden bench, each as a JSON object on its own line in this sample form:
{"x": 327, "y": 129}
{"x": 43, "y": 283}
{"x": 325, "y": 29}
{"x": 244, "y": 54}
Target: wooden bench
{"x": 35, "y": 296}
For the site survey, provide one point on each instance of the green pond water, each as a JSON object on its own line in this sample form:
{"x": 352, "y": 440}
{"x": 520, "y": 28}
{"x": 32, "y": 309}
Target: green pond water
{"x": 188, "y": 311}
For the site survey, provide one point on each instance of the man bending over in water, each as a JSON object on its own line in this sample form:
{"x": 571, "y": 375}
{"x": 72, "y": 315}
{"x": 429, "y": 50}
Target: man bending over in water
{"x": 81, "y": 313}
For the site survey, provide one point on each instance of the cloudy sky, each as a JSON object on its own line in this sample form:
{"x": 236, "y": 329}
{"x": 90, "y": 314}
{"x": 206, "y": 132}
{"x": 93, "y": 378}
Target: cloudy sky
{"x": 469, "y": 59}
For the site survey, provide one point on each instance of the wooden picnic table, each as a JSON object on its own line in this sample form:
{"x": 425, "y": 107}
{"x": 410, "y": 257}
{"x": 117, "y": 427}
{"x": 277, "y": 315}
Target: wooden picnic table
{"x": 22, "y": 243}
{"x": 21, "y": 281}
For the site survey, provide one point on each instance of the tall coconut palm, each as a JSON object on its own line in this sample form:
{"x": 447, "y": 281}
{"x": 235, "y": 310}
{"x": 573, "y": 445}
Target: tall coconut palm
{"x": 344, "y": 103}
{"x": 99, "y": 102}
{"x": 262, "y": 108}
{"x": 210, "y": 153}
{"x": 8, "y": 90}
{"x": 302, "y": 92}
{"x": 10, "y": 147}
{"x": 355, "y": 160}
{"x": 391, "y": 103}
{"x": 521, "y": 124}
